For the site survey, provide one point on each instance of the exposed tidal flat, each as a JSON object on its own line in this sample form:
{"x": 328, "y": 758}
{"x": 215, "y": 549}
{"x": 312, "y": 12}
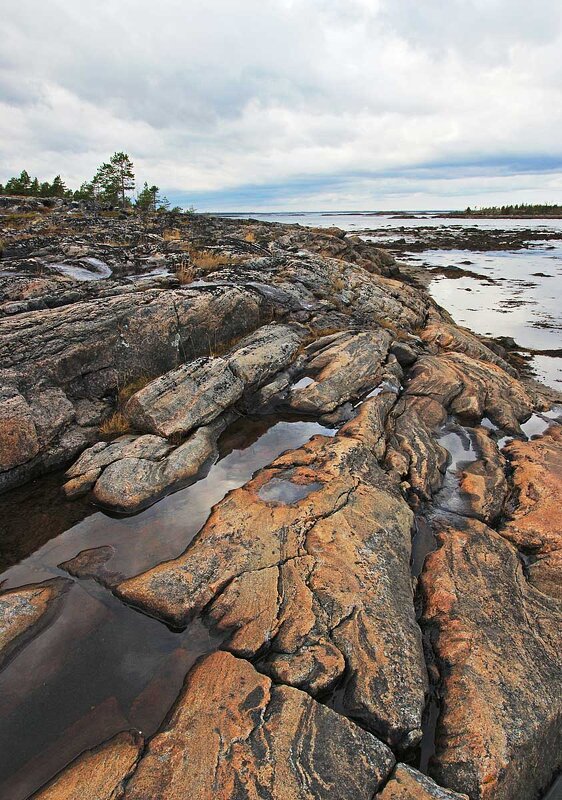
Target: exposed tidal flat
{"x": 275, "y": 524}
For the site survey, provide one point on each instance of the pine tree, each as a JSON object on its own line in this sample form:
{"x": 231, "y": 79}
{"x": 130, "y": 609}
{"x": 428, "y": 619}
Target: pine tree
{"x": 58, "y": 188}
{"x": 116, "y": 178}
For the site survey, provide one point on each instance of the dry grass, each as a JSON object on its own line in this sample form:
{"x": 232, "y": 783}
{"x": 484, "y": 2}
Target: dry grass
{"x": 16, "y": 221}
{"x": 171, "y": 234}
{"x": 250, "y": 237}
{"x": 185, "y": 274}
{"x": 127, "y": 391}
{"x": 210, "y": 260}
{"x": 115, "y": 425}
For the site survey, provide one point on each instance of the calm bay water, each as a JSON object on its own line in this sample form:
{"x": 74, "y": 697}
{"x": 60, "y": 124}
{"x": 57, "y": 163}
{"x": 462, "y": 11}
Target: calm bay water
{"x": 520, "y": 291}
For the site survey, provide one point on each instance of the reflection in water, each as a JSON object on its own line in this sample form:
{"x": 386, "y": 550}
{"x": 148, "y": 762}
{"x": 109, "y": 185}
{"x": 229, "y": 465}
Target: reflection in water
{"x": 279, "y": 490}
{"x": 101, "y": 666}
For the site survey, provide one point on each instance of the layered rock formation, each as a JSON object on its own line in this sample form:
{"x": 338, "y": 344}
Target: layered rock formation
{"x": 130, "y": 348}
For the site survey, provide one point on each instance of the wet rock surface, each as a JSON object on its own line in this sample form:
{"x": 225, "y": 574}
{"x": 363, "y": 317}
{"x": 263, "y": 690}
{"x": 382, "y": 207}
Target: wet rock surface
{"x": 386, "y": 590}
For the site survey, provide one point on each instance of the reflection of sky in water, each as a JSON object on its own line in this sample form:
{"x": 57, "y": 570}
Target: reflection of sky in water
{"x": 518, "y": 305}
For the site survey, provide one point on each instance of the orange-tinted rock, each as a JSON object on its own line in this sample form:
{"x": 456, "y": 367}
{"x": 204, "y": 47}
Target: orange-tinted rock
{"x": 407, "y": 783}
{"x": 98, "y": 774}
{"x": 413, "y": 451}
{"x": 234, "y": 734}
{"x": 484, "y": 482}
{"x": 25, "y": 611}
{"x": 498, "y": 647}
{"x": 18, "y": 435}
{"x": 472, "y": 389}
{"x": 308, "y": 566}
{"x": 535, "y": 523}
{"x": 442, "y": 336}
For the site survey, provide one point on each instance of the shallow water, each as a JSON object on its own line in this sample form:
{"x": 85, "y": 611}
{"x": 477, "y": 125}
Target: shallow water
{"x": 101, "y": 667}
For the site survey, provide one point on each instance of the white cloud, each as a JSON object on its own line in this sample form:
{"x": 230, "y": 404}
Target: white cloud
{"x": 215, "y": 96}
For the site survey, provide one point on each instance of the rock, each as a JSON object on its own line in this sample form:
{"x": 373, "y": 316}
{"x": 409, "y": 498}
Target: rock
{"x": 413, "y": 451}
{"x": 262, "y": 354}
{"x": 535, "y": 518}
{"x": 483, "y": 482}
{"x": 498, "y": 648}
{"x": 309, "y": 558}
{"x": 25, "y": 611}
{"x": 131, "y": 484}
{"x": 185, "y": 398}
{"x": 18, "y": 436}
{"x": 405, "y": 355}
{"x": 98, "y": 774}
{"x": 91, "y": 563}
{"x": 444, "y": 337}
{"x": 234, "y": 734}
{"x": 342, "y": 372}
{"x": 472, "y": 389}
{"x": 407, "y": 783}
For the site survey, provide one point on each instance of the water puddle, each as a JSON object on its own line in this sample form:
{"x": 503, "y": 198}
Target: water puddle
{"x": 280, "y": 490}
{"x": 89, "y": 269}
{"x": 101, "y": 667}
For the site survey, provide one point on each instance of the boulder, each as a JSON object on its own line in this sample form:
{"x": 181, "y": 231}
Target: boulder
{"x": 98, "y": 774}
{"x": 232, "y": 733}
{"x": 18, "y": 435}
{"x": 342, "y": 372}
{"x": 498, "y": 647}
{"x": 262, "y": 354}
{"x": 185, "y": 398}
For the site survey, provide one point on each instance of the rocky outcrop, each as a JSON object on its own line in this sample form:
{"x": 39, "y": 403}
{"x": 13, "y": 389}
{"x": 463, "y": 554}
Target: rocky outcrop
{"x": 98, "y": 774}
{"x": 471, "y": 390}
{"x": 25, "y": 611}
{"x": 483, "y": 483}
{"x": 444, "y": 337}
{"x": 234, "y": 734}
{"x": 407, "y": 783}
{"x": 498, "y": 644}
{"x": 342, "y": 370}
{"x": 535, "y": 518}
{"x": 307, "y": 566}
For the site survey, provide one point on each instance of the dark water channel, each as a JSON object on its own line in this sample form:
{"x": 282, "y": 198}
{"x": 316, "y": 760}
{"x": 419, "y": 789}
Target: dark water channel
{"x": 101, "y": 667}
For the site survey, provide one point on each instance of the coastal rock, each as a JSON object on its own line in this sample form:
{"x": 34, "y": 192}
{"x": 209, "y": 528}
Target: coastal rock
{"x": 413, "y": 451}
{"x": 306, "y": 564}
{"x": 18, "y": 435}
{"x": 185, "y": 398}
{"x": 498, "y": 647}
{"x": 262, "y": 354}
{"x": 472, "y": 389}
{"x": 131, "y": 484}
{"x": 25, "y": 611}
{"x": 234, "y": 734}
{"x": 342, "y": 372}
{"x": 535, "y": 518}
{"x": 444, "y": 337}
{"x": 483, "y": 483}
{"x": 98, "y": 774}
{"x": 407, "y": 783}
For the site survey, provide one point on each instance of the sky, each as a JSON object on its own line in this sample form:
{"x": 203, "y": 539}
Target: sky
{"x": 271, "y": 105}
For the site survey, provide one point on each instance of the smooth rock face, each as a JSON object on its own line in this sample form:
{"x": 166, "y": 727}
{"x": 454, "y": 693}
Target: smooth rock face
{"x": 498, "y": 646}
{"x": 98, "y": 774}
{"x": 342, "y": 372}
{"x": 472, "y": 390}
{"x": 407, "y": 783}
{"x": 308, "y": 580}
{"x": 185, "y": 398}
{"x": 233, "y": 734}
{"x": 25, "y": 611}
{"x": 262, "y": 354}
{"x": 535, "y": 524}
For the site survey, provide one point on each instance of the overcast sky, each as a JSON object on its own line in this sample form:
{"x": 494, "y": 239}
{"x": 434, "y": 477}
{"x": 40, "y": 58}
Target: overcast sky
{"x": 290, "y": 104}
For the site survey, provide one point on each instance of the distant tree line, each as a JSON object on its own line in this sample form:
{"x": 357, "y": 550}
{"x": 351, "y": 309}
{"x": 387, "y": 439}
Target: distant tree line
{"x": 520, "y": 210}
{"x": 113, "y": 184}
